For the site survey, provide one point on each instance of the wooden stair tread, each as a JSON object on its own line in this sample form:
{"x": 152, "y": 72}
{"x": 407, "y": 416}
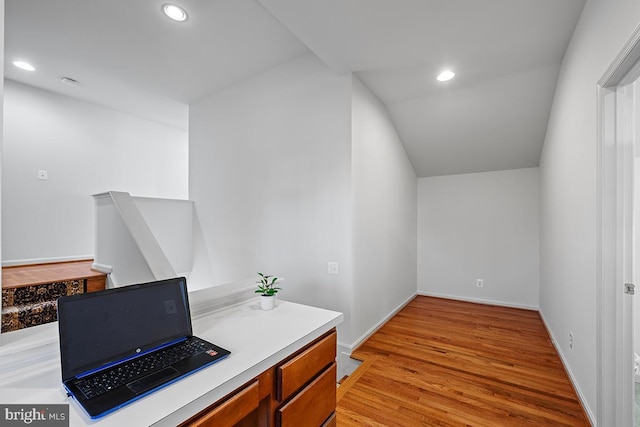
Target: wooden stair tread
{"x": 30, "y": 292}
{"x": 36, "y": 274}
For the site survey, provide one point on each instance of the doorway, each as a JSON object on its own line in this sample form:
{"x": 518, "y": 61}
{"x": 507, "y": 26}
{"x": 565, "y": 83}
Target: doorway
{"x": 617, "y": 118}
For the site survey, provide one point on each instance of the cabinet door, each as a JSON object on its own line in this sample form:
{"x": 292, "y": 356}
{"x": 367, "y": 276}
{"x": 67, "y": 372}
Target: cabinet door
{"x": 231, "y": 411}
{"x": 313, "y": 405}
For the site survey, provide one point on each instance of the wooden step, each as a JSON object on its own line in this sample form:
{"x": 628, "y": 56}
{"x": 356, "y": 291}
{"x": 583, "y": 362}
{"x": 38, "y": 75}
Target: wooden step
{"x": 35, "y": 274}
{"x": 30, "y": 292}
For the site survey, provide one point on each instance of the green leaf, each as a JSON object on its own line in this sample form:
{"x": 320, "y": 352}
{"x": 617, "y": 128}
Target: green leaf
{"x": 265, "y": 286}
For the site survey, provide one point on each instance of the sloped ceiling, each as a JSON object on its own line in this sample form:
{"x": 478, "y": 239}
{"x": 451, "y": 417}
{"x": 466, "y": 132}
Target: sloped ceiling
{"x": 492, "y": 116}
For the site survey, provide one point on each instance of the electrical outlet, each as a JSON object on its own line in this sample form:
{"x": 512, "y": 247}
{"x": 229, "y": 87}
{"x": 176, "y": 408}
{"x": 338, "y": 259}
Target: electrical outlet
{"x": 479, "y": 283}
{"x": 571, "y": 340}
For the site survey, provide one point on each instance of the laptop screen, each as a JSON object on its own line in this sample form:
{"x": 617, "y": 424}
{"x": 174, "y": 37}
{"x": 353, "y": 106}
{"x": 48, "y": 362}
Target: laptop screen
{"x": 101, "y": 328}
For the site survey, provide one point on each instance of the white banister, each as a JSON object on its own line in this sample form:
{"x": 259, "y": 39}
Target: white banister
{"x": 142, "y": 239}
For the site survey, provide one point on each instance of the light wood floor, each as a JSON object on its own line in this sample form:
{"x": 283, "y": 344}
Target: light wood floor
{"x": 440, "y": 362}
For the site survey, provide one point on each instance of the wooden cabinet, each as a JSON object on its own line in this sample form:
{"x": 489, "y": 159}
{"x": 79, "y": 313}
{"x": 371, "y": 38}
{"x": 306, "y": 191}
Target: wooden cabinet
{"x": 331, "y": 422}
{"x": 306, "y": 385}
{"x": 313, "y": 405}
{"x": 232, "y": 410}
{"x": 298, "y": 391}
{"x": 298, "y": 371}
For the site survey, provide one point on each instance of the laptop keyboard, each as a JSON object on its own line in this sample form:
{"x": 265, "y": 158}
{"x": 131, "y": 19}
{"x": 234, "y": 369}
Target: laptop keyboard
{"x": 133, "y": 369}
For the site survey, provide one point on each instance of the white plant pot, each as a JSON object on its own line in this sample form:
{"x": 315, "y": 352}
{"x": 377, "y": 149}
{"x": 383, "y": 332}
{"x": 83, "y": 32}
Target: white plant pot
{"x": 267, "y": 302}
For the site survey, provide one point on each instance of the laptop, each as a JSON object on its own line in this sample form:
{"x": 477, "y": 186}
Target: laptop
{"x": 119, "y": 345}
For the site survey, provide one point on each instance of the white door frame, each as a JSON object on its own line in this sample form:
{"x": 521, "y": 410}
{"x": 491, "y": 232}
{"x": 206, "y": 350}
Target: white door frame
{"x": 616, "y": 110}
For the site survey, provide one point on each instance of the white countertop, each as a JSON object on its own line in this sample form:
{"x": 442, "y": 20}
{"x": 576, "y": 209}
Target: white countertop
{"x": 257, "y": 340}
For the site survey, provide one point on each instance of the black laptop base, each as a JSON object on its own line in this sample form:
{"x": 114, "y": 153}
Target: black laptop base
{"x": 138, "y": 387}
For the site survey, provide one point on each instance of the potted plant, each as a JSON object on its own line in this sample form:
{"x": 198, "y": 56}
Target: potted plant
{"x": 267, "y": 291}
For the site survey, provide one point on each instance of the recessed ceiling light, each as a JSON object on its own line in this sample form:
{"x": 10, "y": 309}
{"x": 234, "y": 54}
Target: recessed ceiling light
{"x": 24, "y": 65}
{"x": 175, "y": 12}
{"x": 445, "y": 76}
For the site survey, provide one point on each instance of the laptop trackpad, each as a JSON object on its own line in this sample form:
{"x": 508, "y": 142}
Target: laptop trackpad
{"x": 153, "y": 380}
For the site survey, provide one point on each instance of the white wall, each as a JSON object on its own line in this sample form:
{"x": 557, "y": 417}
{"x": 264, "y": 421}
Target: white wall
{"x": 384, "y": 214}
{"x": 568, "y": 189}
{"x": 270, "y": 165}
{"x": 297, "y": 167}
{"x": 1, "y": 119}
{"x": 86, "y": 149}
{"x": 480, "y": 226}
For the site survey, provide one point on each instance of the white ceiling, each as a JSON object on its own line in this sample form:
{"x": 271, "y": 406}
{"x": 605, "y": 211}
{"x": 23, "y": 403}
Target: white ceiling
{"x": 128, "y": 55}
{"x": 492, "y": 116}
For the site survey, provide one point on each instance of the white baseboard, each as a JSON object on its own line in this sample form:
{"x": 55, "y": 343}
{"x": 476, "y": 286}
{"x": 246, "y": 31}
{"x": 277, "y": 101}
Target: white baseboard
{"x": 479, "y": 301}
{"x": 348, "y": 348}
{"x": 31, "y": 261}
{"x": 576, "y": 386}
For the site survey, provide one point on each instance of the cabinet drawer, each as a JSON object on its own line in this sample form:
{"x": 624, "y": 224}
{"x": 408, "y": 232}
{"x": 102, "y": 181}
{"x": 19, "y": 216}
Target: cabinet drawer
{"x": 313, "y": 405}
{"x": 295, "y": 373}
{"x": 331, "y": 422}
{"x": 232, "y": 410}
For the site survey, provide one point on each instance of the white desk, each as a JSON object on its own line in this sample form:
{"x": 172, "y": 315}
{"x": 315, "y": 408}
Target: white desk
{"x": 257, "y": 340}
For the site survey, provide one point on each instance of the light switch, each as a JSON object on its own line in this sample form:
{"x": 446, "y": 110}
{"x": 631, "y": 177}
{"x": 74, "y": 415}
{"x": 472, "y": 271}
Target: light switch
{"x": 43, "y": 175}
{"x": 333, "y": 267}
